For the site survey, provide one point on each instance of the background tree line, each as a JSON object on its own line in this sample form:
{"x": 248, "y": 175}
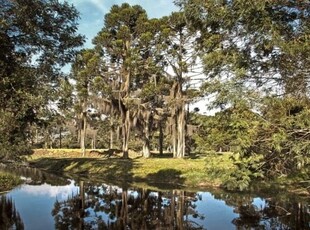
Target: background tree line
{"x": 133, "y": 88}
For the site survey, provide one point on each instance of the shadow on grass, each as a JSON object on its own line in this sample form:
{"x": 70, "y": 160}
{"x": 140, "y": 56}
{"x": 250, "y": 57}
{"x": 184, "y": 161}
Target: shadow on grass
{"x": 165, "y": 179}
{"x": 164, "y": 155}
{"x": 170, "y": 155}
{"x": 112, "y": 170}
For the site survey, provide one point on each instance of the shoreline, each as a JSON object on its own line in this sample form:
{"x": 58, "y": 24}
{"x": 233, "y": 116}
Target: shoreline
{"x": 164, "y": 170}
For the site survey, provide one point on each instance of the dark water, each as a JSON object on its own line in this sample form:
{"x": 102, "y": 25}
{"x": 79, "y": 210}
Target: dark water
{"x": 46, "y": 201}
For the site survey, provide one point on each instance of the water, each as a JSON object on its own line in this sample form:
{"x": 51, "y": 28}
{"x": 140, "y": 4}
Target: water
{"x": 47, "y": 201}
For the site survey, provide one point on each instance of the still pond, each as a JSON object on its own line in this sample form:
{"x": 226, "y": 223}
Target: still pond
{"x": 47, "y": 201}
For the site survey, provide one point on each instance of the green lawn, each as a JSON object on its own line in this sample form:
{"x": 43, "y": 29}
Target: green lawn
{"x": 160, "y": 171}
{"x": 165, "y": 170}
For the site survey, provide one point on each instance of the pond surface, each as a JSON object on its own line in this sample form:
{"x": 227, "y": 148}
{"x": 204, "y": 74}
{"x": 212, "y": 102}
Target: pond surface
{"x": 47, "y": 201}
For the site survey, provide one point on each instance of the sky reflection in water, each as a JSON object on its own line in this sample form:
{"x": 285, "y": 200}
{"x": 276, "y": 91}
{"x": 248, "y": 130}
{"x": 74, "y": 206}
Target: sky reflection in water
{"x": 112, "y": 207}
{"x": 35, "y": 203}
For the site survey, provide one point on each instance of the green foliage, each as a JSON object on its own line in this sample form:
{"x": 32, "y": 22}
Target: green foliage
{"x": 234, "y": 171}
{"x": 246, "y": 170}
{"x": 8, "y": 181}
{"x": 273, "y": 143}
{"x": 218, "y": 166}
{"x": 255, "y": 55}
{"x": 284, "y": 138}
{"x": 13, "y": 139}
{"x": 40, "y": 31}
{"x": 233, "y": 129}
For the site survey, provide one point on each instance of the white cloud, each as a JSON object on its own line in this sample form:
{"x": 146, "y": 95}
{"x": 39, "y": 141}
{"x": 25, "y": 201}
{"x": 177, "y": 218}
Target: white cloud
{"x": 61, "y": 192}
{"x": 100, "y": 5}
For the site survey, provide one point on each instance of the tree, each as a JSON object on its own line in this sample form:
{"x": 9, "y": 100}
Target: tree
{"x": 254, "y": 50}
{"x": 126, "y": 45}
{"x": 44, "y": 31}
{"x": 180, "y": 54}
{"x": 233, "y": 129}
{"x": 84, "y": 70}
{"x": 65, "y": 105}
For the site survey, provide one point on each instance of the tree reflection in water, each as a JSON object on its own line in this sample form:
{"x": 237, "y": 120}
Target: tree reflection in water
{"x": 274, "y": 215}
{"x": 10, "y": 218}
{"x": 282, "y": 211}
{"x": 109, "y": 207}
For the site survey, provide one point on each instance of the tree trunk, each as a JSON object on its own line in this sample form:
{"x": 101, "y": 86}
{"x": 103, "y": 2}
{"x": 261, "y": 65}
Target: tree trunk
{"x": 46, "y": 139}
{"x": 93, "y": 141}
{"x": 161, "y": 138}
{"x": 126, "y": 132}
{"x": 37, "y": 136}
{"x": 146, "y": 149}
{"x": 111, "y": 132}
{"x": 60, "y": 129}
{"x": 78, "y": 133}
{"x": 83, "y": 133}
{"x": 146, "y": 138}
{"x": 181, "y": 133}
{"x": 112, "y": 128}
{"x": 125, "y": 112}
{"x": 174, "y": 136}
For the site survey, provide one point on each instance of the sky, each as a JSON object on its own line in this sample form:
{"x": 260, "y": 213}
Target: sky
{"x": 92, "y": 13}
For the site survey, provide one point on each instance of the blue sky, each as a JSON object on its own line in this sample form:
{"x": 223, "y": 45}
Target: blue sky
{"x": 92, "y": 13}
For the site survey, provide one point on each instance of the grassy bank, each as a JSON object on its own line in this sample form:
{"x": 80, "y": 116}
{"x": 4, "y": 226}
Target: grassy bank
{"x": 8, "y": 181}
{"x": 165, "y": 170}
{"x": 192, "y": 172}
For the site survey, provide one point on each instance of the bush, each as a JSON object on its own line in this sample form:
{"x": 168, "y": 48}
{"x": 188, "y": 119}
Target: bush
{"x": 247, "y": 169}
{"x": 8, "y": 181}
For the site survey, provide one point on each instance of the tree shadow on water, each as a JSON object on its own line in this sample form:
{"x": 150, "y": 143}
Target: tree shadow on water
{"x": 166, "y": 179}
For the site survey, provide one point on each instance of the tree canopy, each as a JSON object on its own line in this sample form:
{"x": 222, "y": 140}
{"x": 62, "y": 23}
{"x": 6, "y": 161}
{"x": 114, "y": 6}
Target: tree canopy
{"x": 138, "y": 79}
{"x": 36, "y": 39}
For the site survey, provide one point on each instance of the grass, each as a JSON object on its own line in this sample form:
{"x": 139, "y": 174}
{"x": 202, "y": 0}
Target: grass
{"x": 157, "y": 170}
{"x": 8, "y": 181}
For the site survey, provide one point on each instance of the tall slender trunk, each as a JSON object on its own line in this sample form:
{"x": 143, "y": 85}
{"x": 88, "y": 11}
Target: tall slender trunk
{"x": 126, "y": 91}
{"x": 126, "y": 132}
{"x": 78, "y": 134}
{"x": 46, "y": 139}
{"x": 37, "y": 136}
{"x": 174, "y": 136}
{"x": 60, "y": 130}
{"x": 181, "y": 132}
{"x": 94, "y": 140}
{"x": 161, "y": 138}
{"x": 111, "y": 130}
{"x": 83, "y": 133}
{"x": 146, "y": 138}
